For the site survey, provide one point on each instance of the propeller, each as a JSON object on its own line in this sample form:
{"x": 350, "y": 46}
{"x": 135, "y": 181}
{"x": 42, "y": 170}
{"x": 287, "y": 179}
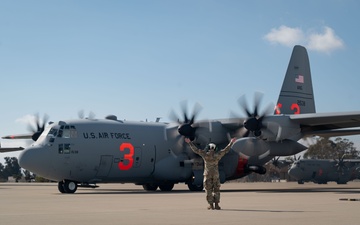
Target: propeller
{"x": 254, "y": 122}
{"x": 285, "y": 162}
{"x": 296, "y": 158}
{"x": 340, "y": 163}
{"x": 186, "y": 127}
{"x": 36, "y": 130}
{"x": 39, "y": 126}
{"x": 275, "y": 162}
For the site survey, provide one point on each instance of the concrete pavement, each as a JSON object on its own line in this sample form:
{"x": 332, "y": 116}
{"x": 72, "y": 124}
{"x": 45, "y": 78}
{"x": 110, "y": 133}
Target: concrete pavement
{"x": 242, "y": 203}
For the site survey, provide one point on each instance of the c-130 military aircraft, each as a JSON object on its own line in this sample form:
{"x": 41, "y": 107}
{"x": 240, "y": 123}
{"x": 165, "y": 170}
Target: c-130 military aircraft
{"x": 321, "y": 171}
{"x": 84, "y": 152}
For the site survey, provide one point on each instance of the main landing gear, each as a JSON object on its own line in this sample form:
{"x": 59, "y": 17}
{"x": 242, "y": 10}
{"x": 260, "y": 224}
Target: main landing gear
{"x": 154, "y": 187}
{"x": 195, "y": 187}
{"x": 67, "y": 186}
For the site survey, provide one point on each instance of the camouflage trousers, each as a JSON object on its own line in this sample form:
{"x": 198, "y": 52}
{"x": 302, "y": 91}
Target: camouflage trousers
{"x": 212, "y": 188}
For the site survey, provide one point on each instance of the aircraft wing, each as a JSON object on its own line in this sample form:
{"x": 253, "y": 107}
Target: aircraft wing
{"x": 232, "y": 123}
{"x": 14, "y": 149}
{"x": 352, "y": 160}
{"x": 328, "y": 124}
{"x": 2, "y": 150}
{"x": 18, "y": 136}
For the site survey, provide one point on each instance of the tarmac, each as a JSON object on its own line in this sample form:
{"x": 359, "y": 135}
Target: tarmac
{"x": 242, "y": 203}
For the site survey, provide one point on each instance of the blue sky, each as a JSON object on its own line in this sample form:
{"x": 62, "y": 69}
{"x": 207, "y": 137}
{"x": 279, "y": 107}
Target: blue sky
{"x": 140, "y": 59}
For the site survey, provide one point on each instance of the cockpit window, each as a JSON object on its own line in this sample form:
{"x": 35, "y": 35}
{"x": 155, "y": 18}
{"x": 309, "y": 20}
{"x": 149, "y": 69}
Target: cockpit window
{"x": 53, "y": 131}
{"x": 43, "y": 135}
{"x": 49, "y": 135}
{"x": 73, "y": 132}
{"x": 67, "y": 131}
{"x": 60, "y": 133}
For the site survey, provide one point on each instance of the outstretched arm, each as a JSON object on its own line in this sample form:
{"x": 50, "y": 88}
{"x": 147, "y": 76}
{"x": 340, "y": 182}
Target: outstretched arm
{"x": 228, "y": 147}
{"x": 192, "y": 146}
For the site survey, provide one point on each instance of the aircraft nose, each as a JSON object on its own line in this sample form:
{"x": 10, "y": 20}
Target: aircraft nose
{"x": 295, "y": 172}
{"x": 31, "y": 158}
{"x": 25, "y": 159}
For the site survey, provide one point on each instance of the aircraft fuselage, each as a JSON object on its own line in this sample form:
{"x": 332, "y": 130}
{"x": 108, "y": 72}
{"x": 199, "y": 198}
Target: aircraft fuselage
{"x": 97, "y": 151}
{"x": 323, "y": 171}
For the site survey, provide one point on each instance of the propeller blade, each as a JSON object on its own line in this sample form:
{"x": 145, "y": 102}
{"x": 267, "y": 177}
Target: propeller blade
{"x": 173, "y": 116}
{"x": 257, "y": 100}
{"x": 243, "y": 104}
{"x": 39, "y": 126}
{"x": 254, "y": 123}
{"x": 186, "y": 128}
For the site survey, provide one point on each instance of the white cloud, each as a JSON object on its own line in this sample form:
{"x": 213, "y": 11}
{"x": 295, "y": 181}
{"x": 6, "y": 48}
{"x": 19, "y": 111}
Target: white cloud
{"x": 327, "y": 41}
{"x": 285, "y": 36}
{"x": 26, "y": 119}
{"x": 30, "y": 121}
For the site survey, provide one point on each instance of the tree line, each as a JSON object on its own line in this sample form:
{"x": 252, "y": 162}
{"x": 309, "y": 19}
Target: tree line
{"x": 326, "y": 148}
{"x": 13, "y": 169}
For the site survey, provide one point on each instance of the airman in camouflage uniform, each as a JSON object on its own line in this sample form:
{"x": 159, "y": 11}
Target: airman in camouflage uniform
{"x": 211, "y": 170}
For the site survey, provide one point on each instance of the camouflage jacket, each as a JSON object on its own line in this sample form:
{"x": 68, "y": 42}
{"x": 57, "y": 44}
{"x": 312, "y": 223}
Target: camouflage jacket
{"x": 211, "y": 161}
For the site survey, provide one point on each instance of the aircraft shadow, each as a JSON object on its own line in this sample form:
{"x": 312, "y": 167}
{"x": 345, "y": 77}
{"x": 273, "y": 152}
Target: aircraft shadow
{"x": 340, "y": 190}
{"x": 128, "y": 191}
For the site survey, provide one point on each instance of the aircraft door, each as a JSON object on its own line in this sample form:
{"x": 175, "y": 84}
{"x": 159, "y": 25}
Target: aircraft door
{"x": 137, "y": 157}
{"x": 144, "y": 160}
{"x": 105, "y": 166}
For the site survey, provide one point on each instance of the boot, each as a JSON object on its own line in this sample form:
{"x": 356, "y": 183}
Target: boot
{"x": 217, "y": 207}
{"x": 211, "y": 206}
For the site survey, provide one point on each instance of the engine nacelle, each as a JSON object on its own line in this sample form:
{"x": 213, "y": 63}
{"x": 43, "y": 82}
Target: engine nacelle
{"x": 286, "y": 148}
{"x": 251, "y": 146}
{"x": 279, "y": 127}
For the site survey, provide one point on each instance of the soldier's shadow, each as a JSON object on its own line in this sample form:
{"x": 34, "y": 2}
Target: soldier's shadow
{"x": 264, "y": 210}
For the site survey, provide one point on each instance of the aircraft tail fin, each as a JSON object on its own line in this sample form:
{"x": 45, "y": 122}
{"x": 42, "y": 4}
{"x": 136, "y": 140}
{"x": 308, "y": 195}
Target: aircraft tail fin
{"x": 296, "y": 95}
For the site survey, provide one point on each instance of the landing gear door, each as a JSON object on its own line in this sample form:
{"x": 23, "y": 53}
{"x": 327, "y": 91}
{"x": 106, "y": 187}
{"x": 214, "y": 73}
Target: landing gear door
{"x": 198, "y": 171}
{"x": 198, "y": 177}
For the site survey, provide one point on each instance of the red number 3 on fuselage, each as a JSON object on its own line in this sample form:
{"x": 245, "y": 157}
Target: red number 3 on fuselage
{"x": 129, "y": 157}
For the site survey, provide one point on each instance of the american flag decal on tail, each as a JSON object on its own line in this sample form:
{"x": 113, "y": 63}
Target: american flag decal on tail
{"x": 299, "y": 79}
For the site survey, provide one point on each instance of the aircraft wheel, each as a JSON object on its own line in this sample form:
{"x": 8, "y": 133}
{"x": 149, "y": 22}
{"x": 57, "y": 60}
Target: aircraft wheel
{"x": 61, "y": 187}
{"x": 194, "y": 187}
{"x": 150, "y": 187}
{"x": 341, "y": 182}
{"x": 300, "y": 182}
{"x": 70, "y": 186}
{"x": 166, "y": 187}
